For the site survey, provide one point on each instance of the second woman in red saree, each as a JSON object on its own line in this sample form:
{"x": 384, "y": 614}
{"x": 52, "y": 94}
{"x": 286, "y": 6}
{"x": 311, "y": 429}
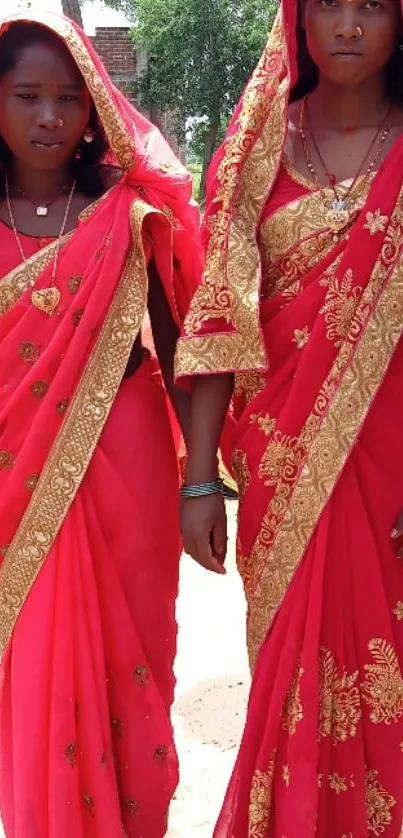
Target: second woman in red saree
{"x": 301, "y": 310}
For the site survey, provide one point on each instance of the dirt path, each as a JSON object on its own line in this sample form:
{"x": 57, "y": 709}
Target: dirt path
{"x": 212, "y": 690}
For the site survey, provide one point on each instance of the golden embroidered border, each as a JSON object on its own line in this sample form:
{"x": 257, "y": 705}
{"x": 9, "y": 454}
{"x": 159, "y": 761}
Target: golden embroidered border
{"x": 230, "y": 289}
{"x": 119, "y": 138}
{"x": 74, "y": 446}
{"x": 327, "y": 455}
{"x": 14, "y": 285}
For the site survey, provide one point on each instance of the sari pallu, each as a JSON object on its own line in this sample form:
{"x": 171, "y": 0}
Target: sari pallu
{"x": 317, "y": 453}
{"x": 88, "y": 576}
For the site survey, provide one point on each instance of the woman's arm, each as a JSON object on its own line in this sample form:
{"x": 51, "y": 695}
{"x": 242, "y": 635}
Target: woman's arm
{"x": 165, "y": 336}
{"x": 203, "y": 519}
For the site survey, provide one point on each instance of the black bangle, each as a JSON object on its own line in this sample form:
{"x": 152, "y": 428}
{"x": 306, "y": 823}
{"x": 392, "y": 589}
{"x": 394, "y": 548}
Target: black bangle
{"x": 200, "y": 490}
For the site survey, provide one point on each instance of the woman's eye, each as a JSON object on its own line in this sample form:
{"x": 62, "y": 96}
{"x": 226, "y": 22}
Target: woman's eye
{"x": 328, "y": 4}
{"x": 69, "y": 98}
{"x": 26, "y": 96}
{"x": 372, "y": 4}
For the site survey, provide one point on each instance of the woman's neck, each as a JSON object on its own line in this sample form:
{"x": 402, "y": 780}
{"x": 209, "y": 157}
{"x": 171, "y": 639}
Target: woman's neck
{"x": 40, "y": 185}
{"x": 340, "y": 108}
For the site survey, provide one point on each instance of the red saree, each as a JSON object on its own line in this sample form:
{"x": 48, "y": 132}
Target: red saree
{"x": 89, "y": 569}
{"x": 311, "y": 324}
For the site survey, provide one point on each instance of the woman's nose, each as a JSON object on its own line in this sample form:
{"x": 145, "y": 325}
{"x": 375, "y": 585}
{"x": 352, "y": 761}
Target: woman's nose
{"x": 47, "y": 116}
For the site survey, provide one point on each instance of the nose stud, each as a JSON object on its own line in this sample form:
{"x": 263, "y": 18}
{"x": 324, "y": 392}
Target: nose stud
{"x": 359, "y": 32}
{"x": 60, "y": 123}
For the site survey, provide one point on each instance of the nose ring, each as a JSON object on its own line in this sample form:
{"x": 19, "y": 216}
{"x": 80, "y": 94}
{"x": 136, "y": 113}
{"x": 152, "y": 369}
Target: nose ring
{"x": 60, "y": 123}
{"x": 359, "y": 32}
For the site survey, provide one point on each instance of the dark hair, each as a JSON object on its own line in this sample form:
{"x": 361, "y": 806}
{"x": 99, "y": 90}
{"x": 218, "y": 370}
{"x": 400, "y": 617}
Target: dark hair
{"x": 86, "y": 168}
{"x": 308, "y": 74}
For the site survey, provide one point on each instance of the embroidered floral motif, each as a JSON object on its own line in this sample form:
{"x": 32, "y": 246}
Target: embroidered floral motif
{"x": 382, "y": 688}
{"x": 378, "y": 803}
{"x": 39, "y": 389}
{"x": 29, "y": 352}
{"x": 70, "y": 752}
{"x": 340, "y": 305}
{"x": 260, "y": 801}
{"x": 281, "y": 459}
{"x": 141, "y": 675}
{"x": 398, "y": 611}
{"x": 161, "y": 753}
{"x": 292, "y": 710}
{"x": 339, "y": 703}
{"x": 301, "y": 337}
{"x": 248, "y": 385}
{"x": 74, "y": 284}
{"x": 265, "y": 422}
{"x": 337, "y": 783}
{"x": 7, "y": 459}
{"x": 375, "y": 222}
{"x": 286, "y": 775}
{"x": 241, "y": 470}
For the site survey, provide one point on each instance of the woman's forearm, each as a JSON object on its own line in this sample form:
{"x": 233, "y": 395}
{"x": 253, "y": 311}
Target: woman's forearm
{"x": 211, "y": 396}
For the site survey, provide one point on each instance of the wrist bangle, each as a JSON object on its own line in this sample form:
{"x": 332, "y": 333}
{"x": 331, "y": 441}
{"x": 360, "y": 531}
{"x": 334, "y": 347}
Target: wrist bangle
{"x": 200, "y": 490}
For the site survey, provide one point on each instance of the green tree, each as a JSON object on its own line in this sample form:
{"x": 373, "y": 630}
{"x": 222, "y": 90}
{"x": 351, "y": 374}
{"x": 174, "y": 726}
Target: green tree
{"x": 200, "y": 55}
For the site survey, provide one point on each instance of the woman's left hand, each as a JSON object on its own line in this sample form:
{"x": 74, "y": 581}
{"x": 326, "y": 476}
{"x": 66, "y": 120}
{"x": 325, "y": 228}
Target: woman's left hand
{"x": 397, "y": 535}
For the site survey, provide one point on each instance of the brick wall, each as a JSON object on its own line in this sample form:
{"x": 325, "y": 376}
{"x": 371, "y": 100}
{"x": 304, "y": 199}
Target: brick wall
{"x": 116, "y": 50}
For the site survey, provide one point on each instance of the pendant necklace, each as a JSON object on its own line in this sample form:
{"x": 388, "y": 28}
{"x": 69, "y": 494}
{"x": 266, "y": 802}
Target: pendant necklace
{"x": 42, "y": 209}
{"x": 44, "y": 299}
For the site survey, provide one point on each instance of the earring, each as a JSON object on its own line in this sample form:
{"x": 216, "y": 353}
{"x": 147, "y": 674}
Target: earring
{"x": 89, "y": 136}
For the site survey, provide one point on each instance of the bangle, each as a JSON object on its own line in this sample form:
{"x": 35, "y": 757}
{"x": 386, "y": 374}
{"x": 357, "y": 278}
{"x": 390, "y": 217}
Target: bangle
{"x": 200, "y": 490}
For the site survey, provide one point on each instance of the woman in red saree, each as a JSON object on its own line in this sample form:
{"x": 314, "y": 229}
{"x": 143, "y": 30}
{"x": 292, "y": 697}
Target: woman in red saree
{"x": 91, "y": 196}
{"x": 301, "y": 311}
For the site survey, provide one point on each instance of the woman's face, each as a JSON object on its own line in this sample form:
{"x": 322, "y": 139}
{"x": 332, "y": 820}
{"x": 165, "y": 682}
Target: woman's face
{"x": 351, "y": 41}
{"x": 44, "y": 106}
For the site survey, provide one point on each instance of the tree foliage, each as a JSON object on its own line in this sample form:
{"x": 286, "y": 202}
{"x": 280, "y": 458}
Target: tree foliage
{"x": 201, "y": 53}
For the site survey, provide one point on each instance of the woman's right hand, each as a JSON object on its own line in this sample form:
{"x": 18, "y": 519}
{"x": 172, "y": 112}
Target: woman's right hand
{"x": 204, "y": 530}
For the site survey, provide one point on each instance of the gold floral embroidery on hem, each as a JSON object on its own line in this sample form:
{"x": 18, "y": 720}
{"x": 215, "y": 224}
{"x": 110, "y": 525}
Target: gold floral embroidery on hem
{"x": 340, "y": 305}
{"x": 301, "y": 337}
{"x": 337, "y": 783}
{"x": 382, "y": 688}
{"x": 292, "y": 712}
{"x": 260, "y": 801}
{"x": 248, "y": 385}
{"x": 379, "y": 804}
{"x": 264, "y": 421}
{"x": 280, "y": 460}
{"x": 339, "y": 702}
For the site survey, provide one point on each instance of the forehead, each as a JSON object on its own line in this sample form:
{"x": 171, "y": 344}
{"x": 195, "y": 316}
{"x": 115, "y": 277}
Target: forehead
{"x": 43, "y": 61}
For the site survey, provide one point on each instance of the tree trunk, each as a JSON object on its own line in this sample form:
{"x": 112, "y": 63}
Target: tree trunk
{"x": 209, "y": 148}
{"x": 71, "y": 8}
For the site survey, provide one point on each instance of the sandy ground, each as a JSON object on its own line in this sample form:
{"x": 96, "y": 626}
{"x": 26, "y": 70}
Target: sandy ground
{"x": 212, "y": 686}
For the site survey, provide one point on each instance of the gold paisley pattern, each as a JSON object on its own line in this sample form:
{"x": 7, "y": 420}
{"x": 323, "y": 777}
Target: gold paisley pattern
{"x": 379, "y": 804}
{"x": 260, "y": 801}
{"x": 58, "y": 484}
{"x": 382, "y": 688}
{"x": 339, "y": 702}
{"x": 248, "y": 385}
{"x": 340, "y": 305}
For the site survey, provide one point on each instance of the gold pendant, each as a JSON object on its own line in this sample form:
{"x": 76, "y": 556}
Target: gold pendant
{"x": 337, "y": 216}
{"x": 46, "y": 300}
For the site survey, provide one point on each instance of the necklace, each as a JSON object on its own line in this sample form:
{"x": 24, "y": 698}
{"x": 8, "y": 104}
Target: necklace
{"x": 338, "y": 213}
{"x": 46, "y": 299}
{"x": 42, "y": 209}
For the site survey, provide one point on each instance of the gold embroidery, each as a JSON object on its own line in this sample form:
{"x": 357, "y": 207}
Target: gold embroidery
{"x": 161, "y": 753}
{"x": 62, "y": 406}
{"x": 301, "y": 337}
{"x": 286, "y": 775}
{"x": 89, "y": 804}
{"x": 339, "y": 701}
{"x": 337, "y": 783}
{"x": 398, "y": 611}
{"x": 378, "y": 803}
{"x": 31, "y": 482}
{"x": 292, "y": 711}
{"x": 29, "y": 352}
{"x": 382, "y": 688}
{"x": 7, "y": 459}
{"x": 78, "y": 435}
{"x": 260, "y": 801}
{"x": 375, "y": 222}
{"x": 74, "y": 284}
{"x": 131, "y": 806}
{"x": 241, "y": 471}
{"x": 230, "y": 291}
{"x": 141, "y": 675}
{"x": 340, "y": 305}
{"x": 264, "y": 421}
{"x": 39, "y": 389}
{"x": 77, "y": 315}
{"x": 117, "y": 727}
{"x": 280, "y": 460}
{"x": 70, "y": 752}
{"x": 249, "y": 385}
